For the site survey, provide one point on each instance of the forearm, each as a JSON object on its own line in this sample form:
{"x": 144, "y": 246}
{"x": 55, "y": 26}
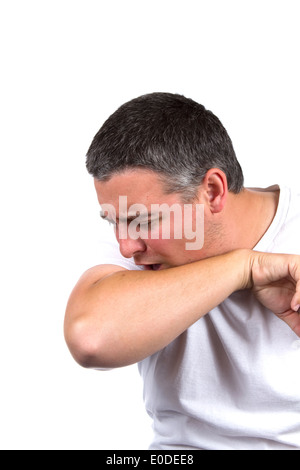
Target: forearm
{"x": 130, "y": 315}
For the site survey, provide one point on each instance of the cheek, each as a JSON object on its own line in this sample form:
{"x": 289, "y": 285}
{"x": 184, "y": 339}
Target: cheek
{"x": 170, "y": 249}
{"x": 162, "y": 247}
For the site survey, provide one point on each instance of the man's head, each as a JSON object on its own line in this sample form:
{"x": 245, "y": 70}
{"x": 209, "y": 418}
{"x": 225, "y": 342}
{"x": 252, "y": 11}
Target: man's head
{"x": 169, "y": 134}
{"x": 164, "y": 149}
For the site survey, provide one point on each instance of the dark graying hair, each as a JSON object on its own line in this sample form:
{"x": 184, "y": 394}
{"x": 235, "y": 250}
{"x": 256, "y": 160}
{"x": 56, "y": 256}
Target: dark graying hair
{"x": 169, "y": 134}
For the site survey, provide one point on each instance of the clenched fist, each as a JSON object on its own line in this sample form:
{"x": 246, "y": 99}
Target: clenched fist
{"x": 276, "y": 284}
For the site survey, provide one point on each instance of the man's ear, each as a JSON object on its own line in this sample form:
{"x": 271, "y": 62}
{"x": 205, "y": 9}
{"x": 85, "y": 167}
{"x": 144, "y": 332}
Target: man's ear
{"x": 215, "y": 189}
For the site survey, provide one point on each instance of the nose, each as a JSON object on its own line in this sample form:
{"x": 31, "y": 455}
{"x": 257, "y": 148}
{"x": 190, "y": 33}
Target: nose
{"x": 130, "y": 247}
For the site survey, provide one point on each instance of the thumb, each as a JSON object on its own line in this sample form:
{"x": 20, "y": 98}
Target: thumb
{"x": 295, "y": 303}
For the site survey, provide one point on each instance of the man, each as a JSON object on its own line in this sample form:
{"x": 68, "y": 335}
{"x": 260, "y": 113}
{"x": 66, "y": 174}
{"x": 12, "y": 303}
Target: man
{"x": 194, "y": 297}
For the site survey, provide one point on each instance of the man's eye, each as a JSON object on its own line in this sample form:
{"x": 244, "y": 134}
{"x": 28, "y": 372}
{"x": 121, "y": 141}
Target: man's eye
{"x": 147, "y": 225}
{"x": 144, "y": 226}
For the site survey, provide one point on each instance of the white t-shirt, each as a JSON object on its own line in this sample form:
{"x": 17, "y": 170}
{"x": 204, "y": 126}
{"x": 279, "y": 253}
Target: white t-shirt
{"x": 232, "y": 380}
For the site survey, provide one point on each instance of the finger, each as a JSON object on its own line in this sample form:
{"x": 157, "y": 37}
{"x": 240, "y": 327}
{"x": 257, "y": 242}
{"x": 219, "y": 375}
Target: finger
{"x": 295, "y": 307}
{"x": 295, "y": 303}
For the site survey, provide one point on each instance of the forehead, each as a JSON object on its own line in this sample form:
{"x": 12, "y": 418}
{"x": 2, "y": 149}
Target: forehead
{"x": 139, "y": 186}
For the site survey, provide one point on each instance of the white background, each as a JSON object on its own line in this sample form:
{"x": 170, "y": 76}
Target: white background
{"x": 65, "y": 66}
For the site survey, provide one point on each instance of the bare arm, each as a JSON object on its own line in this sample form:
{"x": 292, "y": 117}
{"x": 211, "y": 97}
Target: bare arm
{"x": 117, "y": 317}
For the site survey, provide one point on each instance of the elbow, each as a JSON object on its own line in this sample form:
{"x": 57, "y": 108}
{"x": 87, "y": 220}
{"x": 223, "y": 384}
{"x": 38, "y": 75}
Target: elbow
{"x": 86, "y": 346}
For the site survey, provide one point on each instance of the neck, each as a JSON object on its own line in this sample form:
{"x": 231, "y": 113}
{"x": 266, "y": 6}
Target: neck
{"x": 248, "y": 216}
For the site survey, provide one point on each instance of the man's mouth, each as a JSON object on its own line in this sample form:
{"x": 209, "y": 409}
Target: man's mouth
{"x": 152, "y": 267}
